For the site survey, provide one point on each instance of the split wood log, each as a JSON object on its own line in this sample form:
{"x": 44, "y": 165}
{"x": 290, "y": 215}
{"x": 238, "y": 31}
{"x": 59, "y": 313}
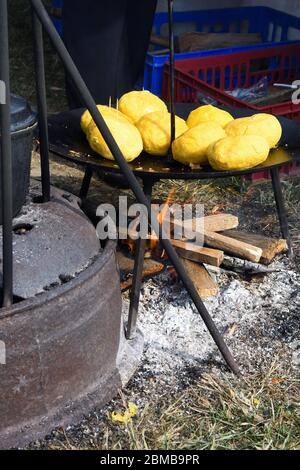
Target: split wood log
{"x": 126, "y": 265}
{"x": 212, "y": 223}
{"x": 196, "y": 41}
{"x": 197, "y": 253}
{"x": 185, "y": 249}
{"x": 202, "y": 280}
{"x": 270, "y": 246}
{"x": 232, "y": 246}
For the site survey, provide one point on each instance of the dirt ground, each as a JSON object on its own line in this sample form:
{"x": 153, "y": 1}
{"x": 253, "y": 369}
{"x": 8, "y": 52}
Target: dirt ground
{"x": 202, "y": 406}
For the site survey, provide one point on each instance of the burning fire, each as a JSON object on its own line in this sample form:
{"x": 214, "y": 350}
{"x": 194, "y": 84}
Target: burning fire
{"x": 154, "y": 240}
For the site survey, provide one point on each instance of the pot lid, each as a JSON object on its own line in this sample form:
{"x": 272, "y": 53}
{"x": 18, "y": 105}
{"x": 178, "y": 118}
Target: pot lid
{"x": 22, "y": 115}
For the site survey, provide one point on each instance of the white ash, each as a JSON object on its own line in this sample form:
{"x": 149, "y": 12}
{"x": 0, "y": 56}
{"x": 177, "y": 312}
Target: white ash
{"x": 259, "y": 320}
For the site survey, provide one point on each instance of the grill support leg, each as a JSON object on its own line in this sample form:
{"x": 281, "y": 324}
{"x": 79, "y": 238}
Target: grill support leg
{"x": 41, "y": 105}
{"x": 137, "y": 273}
{"x": 172, "y": 74}
{"x": 6, "y": 160}
{"x": 85, "y": 186}
{"x": 277, "y": 188}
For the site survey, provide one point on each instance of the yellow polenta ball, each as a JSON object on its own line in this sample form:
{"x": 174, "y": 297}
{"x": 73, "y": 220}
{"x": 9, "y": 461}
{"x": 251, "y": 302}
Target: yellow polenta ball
{"x": 265, "y": 125}
{"x": 155, "y": 129}
{"x": 209, "y": 113}
{"x": 125, "y": 134}
{"x": 136, "y": 104}
{"x": 86, "y": 118}
{"x": 238, "y": 152}
{"x": 192, "y": 146}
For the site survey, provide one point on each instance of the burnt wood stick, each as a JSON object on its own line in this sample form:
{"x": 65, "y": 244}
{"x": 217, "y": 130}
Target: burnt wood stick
{"x": 245, "y": 267}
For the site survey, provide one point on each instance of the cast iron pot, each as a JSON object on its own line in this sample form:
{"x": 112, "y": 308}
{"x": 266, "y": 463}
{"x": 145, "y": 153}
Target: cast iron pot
{"x": 23, "y": 124}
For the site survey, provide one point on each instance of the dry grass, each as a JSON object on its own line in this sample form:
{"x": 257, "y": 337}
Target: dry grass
{"x": 262, "y": 194}
{"x": 21, "y": 55}
{"x": 217, "y": 414}
{"x": 261, "y": 411}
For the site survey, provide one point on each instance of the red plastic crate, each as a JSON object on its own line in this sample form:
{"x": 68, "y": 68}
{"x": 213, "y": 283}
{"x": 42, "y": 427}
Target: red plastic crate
{"x": 213, "y": 76}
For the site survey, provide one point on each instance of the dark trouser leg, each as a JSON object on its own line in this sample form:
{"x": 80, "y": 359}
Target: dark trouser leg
{"x": 137, "y": 274}
{"x": 139, "y": 22}
{"x": 93, "y": 34}
{"x": 108, "y": 41}
{"x": 280, "y": 207}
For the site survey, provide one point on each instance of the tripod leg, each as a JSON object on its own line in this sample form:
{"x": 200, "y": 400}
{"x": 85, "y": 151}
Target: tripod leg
{"x": 137, "y": 274}
{"x": 86, "y": 183}
{"x": 281, "y": 208}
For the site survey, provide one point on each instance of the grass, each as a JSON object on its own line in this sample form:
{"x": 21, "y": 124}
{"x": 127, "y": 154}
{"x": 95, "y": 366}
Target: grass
{"x": 260, "y": 412}
{"x": 215, "y": 414}
{"x": 21, "y": 58}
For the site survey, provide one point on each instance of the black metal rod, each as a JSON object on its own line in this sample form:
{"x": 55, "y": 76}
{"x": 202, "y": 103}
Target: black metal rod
{"x": 41, "y": 105}
{"x": 6, "y": 160}
{"x": 85, "y": 186}
{"x": 137, "y": 273}
{"x": 136, "y": 287}
{"x": 132, "y": 181}
{"x": 172, "y": 72}
{"x": 284, "y": 227}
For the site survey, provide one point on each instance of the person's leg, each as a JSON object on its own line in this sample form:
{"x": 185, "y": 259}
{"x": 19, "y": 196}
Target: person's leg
{"x": 139, "y": 21}
{"x": 94, "y": 36}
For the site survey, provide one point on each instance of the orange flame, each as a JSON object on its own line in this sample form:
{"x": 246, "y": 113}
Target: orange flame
{"x": 154, "y": 241}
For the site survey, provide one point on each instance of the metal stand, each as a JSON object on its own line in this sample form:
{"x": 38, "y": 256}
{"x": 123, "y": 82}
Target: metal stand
{"x": 137, "y": 273}
{"x": 6, "y": 161}
{"x": 86, "y": 182}
{"x": 132, "y": 181}
{"x": 277, "y": 188}
{"x": 172, "y": 74}
{"x": 41, "y": 105}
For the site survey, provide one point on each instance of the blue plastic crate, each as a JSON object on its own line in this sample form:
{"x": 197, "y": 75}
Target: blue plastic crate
{"x": 57, "y": 5}
{"x": 274, "y": 26}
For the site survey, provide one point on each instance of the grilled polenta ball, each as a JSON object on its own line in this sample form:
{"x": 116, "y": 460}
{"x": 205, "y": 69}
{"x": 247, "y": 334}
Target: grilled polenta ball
{"x": 265, "y": 125}
{"x": 155, "y": 129}
{"x": 238, "y": 152}
{"x": 86, "y": 118}
{"x": 125, "y": 134}
{"x": 192, "y": 146}
{"x": 208, "y": 113}
{"x": 136, "y": 104}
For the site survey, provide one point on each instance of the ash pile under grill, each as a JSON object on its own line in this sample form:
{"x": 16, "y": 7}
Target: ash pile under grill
{"x": 260, "y": 320}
